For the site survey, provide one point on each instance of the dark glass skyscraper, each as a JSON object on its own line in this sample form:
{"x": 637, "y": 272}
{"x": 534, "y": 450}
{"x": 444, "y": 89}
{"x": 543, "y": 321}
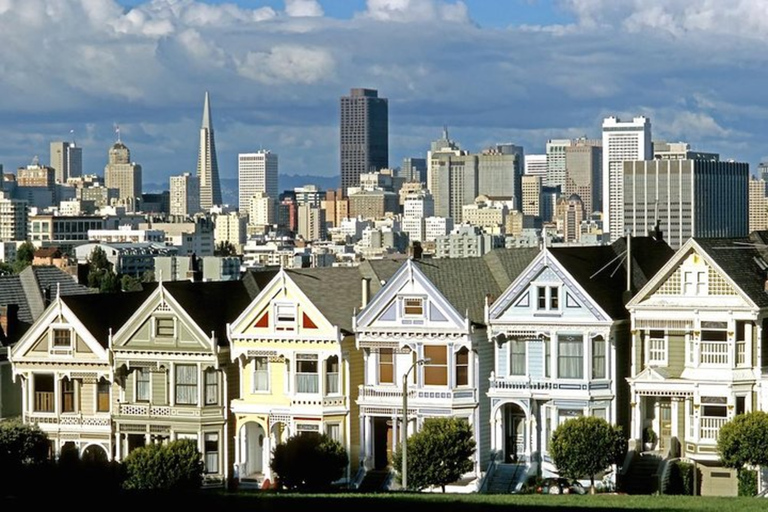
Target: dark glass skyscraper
{"x": 364, "y": 135}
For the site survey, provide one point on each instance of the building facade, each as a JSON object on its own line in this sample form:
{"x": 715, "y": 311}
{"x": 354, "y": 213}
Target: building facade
{"x": 66, "y": 160}
{"x": 256, "y": 172}
{"x": 185, "y": 195}
{"x": 364, "y": 123}
{"x": 123, "y": 175}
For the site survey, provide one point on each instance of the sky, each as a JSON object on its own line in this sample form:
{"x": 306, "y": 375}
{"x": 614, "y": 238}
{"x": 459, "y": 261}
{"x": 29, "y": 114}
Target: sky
{"x": 492, "y": 71}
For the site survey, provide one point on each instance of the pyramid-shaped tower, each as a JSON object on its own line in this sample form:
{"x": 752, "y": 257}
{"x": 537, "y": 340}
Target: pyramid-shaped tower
{"x": 207, "y": 166}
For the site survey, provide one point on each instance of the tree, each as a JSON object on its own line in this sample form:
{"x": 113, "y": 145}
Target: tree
{"x": 440, "y": 453}
{"x": 309, "y": 461}
{"x": 744, "y": 440}
{"x": 130, "y": 283}
{"x": 176, "y": 466}
{"x": 100, "y": 274}
{"x": 224, "y": 248}
{"x": 25, "y": 253}
{"x": 584, "y": 446}
{"x": 23, "y": 452}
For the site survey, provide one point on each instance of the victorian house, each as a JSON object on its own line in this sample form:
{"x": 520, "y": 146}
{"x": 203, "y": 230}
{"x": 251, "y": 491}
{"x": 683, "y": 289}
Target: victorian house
{"x": 425, "y": 327}
{"x": 560, "y": 336}
{"x": 294, "y": 349}
{"x": 174, "y": 379}
{"x": 699, "y": 352}
{"x": 64, "y": 367}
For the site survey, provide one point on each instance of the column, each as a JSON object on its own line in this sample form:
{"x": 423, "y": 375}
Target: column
{"x": 637, "y": 417}
{"x": 674, "y": 411}
{"x": 364, "y": 454}
{"x": 395, "y": 430}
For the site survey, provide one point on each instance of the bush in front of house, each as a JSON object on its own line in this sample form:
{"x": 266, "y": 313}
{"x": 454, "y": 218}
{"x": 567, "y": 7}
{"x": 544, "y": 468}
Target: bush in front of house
{"x": 747, "y": 482}
{"x": 176, "y": 466}
{"x": 24, "y": 453}
{"x": 309, "y": 461}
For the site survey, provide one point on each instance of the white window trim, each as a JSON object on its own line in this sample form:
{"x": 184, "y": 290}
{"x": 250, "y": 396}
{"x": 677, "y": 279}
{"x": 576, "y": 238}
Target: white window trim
{"x": 657, "y": 362}
{"x": 283, "y": 325}
{"x": 547, "y": 310}
{"x": 255, "y": 391}
{"x": 61, "y": 350}
{"x": 155, "y": 336}
{"x": 420, "y": 298}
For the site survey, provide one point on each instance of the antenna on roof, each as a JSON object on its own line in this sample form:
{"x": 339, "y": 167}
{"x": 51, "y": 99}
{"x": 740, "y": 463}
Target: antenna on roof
{"x": 117, "y": 131}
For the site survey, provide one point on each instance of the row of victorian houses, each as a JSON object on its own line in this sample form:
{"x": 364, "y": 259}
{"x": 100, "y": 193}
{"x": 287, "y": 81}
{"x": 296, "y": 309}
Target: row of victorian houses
{"x": 515, "y": 342}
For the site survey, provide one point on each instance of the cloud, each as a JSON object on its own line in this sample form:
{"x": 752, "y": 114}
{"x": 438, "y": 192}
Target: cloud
{"x": 298, "y": 8}
{"x": 424, "y": 11}
{"x": 288, "y": 63}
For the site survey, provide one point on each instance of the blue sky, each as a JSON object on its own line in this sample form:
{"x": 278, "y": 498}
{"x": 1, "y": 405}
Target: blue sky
{"x": 520, "y": 71}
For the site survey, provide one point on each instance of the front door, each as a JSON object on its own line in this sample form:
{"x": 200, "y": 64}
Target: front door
{"x": 514, "y": 433}
{"x": 382, "y": 442}
{"x": 665, "y": 424}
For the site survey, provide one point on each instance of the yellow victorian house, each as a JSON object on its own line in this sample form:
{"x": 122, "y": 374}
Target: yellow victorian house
{"x": 295, "y": 349}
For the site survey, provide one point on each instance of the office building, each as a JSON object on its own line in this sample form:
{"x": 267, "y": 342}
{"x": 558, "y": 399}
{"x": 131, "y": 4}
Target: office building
{"x": 262, "y": 210}
{"x": 531, "y": 196}
{"x": 185, "y": 195}
{"x": 663, "y": 150}
{"x": 536, "y": 165}
{"x": 230, "y": 228}
{"x": 499, "y": 171}
{"x": 418, "y": 206}
{"x": 207, "y": 165}
{"x": 311, "y": 222}
{"x": 583, "y": 172}
{"x": 414, "y": 170}
{"x": 570, "y": 213}
{"x": 556, "y": 162}
{"x": 66, "y": 160}
{"x": 373, "y": 204}
{"x": 256, "y": 172}
{"x": 622, "y": 141}
{"x": 364, "y": 135}
{"x": 688, "y": 198}
{"x": 13, "y": 218}
{"x": 123, "y": 175}
{"x": 758, "y": 206}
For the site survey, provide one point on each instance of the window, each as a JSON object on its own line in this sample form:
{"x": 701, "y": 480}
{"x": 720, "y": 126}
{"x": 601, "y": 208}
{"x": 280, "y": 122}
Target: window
{"x": 164, "y": 327}
{"x": 657, "y": 347}
{"x": 285, "y": 317}
{"x": 436, "y": 370}
{"x": 714, "y": 343}
{"x": 413, "y": 306}
{"x": 44, "y": 393}
{"x": 211, "y": 386}
{"x": 570, "y": 357}
{"x": 142, "y": 385}
{"x": 741, "y": 405}
{"x": 333, "y": 430}
{"x": 695, "y": 282}
{"x": 547, "y": 357}
{"x": 568, "y": 414}
{"x": 599, "y": 413}
{"x": 306, "y": 374}
{"x": 62, "y": 338}
{"x": 542, "y": 297}
{"x": 598, "y": 358}
{"x": 517, "y": 357}
{"x": 103, "y": 394}
{"x": 462, "y": 367}
{"x": 332, "y": 375}
{"x": 67, "y": 395}
{"x": 211, "y": 447}
{"x": 548, "y": 298}
{"x": 554, "y": 296}
{"x": 386, "y": 366}
{"x": 260, "y": 374}
{"x": 186, "y": 384}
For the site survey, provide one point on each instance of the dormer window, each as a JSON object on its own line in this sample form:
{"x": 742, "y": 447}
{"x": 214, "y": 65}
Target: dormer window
{"x": 285, "y": 317}
{"x": 413, "y": 306}
{"x": 695, "y": 276}
{"x": 164, "y": 327}
{"x": 62, "y": 339}
{"x": 548, "y": 298}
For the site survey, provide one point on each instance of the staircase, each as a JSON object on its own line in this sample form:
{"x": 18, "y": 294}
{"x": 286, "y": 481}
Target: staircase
{"x": 506, "y": 478}
{"x": 375, "y": 480}
{"x": 642, "y": 477}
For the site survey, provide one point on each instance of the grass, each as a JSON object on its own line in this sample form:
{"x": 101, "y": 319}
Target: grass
{"x": 397, "y": 502}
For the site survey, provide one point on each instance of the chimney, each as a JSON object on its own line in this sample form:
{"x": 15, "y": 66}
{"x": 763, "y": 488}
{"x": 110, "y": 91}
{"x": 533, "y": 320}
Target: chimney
{"x": 366, "y": 284}
{"x": 9, "y": 320}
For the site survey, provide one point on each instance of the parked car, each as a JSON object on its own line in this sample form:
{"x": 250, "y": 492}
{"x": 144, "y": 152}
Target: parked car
{"x": 560, "y": 486}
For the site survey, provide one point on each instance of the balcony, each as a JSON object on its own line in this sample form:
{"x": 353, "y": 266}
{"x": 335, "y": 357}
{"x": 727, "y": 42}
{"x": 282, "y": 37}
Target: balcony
{"x": 714, "y": 353}
{"x": 44, "y": 401}
{"x": 393, "y": 396}
{"x": 709, "y": 428}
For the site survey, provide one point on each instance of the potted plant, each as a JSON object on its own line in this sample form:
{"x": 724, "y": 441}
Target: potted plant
{"x": 649, "y": 439}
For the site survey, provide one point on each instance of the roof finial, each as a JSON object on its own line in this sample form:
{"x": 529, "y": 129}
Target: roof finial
{"x": 117, "y": 132}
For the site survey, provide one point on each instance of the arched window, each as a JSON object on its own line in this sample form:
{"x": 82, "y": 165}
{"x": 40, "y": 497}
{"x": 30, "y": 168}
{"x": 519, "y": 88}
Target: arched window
{"x": 332, "y": 375}
{"x": 462, "y": 367}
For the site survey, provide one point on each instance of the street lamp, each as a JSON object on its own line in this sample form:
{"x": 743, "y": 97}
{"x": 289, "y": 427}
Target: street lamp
{"x": 404, "y": 426}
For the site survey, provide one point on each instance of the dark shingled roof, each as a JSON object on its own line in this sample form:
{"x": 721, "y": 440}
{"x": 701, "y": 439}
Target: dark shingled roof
{"x": 335, "y": 291}
{"x": 104, "y": 312}
{"x": 601, "y": 269}
{"x": 738, "y": 257}
{"x": 211, "y": 304}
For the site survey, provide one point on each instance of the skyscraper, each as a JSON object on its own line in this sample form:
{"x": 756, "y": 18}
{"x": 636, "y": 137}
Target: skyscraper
{"x": 257, "y": 172}
{"x": 67, "y": 160}
{"x": 185, "y": 195}
{"x": 364, "y": 135}
{"x": 583, "y": 173}
{"x": 622, "y": 141}
{"x": 122, "y": 174}
{"x": 207, "y": 166}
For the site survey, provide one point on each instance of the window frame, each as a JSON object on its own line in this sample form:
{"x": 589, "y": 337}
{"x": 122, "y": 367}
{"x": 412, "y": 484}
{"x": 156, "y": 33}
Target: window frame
{"x": 599, "y": 341}
{"x": 517, "y": 350}
{"x": 211, "y": 386}
{"x": 435, "y": 367}
{"x": 163, "y": 331}
{"x": 179, "y": 386}
{"x": 304, "y": 360}
{"x": 386, "y": 365}
{"x": 68, "y": 392}
{"x": 137, "y": 384}
{"x": 562, "y": 339}
{"x": 100, "y": 394}
{"x": 208, "y": 453}
{"x": 462, "y": 365}
{"x": 286, "y": 316}
{"x": 255, "y": 380}
{"x": 414, "y": 310}
{"x": 661, "y": 337}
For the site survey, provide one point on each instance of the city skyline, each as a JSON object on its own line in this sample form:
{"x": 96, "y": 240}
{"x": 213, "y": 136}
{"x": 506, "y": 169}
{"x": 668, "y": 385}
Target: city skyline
{"x": 518, "y": 71}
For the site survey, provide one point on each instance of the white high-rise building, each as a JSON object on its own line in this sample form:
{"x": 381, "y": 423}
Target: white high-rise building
{"x": 257, "y": 172}
{"x": 417, "y": 207}
{"x": 185, "y": 195}
{"x": 556, "y": 162}
{"x": 622, "y": 141}
{"x": 13, "y": 218}
{"x": 261, "y": 210}
{"x": 536, "y": 165}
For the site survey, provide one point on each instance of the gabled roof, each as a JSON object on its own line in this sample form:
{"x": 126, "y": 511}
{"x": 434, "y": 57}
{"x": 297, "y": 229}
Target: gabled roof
{"x": 211, "y": 304}
{"x": 335, "y": 291}
{"x": 601, "y": 269}
{"x": 103, "y": 313}
{"x": 507, "y": 264}
{"x": 741, "y": 260}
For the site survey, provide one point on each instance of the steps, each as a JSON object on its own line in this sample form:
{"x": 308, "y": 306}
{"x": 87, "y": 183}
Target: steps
{"x": 375, "y": 480}
{"x": 507, "y": 478}
{"x": 642, "y": 477}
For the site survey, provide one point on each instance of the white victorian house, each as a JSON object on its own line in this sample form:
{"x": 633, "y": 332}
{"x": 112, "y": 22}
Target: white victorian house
{"x": 560, "y": 334}
{"x": 700, "y": 351}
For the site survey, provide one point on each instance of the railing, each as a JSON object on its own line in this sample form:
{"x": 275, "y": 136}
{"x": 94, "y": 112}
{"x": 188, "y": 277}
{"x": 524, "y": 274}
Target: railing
{"x": 741, "y": 353}
{"x": 44, "y": 401}
{"x": 714, "y": 352}
{"x": 526, "y": 385}
{"x": 710, "y": 427}
{"x": 395, "y": 394}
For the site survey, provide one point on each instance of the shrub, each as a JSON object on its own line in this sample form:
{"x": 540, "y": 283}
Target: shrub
{"x": 438, "y": 454}
{"x": 584, "y": 446}
{"x": 309, "y": 461}
{"x": 747, "y": 482}
{"x": 681, "y": 479}
{"x": 23, "y": 455}
{"x": 176, "y": 466}
{"x": 744, "y": 440}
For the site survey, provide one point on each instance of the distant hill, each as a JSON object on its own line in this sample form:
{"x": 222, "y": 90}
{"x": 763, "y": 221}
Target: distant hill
{"x": 284, "y": 182}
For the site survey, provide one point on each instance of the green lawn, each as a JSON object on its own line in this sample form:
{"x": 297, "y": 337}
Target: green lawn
{"x": 439, "y": 502}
